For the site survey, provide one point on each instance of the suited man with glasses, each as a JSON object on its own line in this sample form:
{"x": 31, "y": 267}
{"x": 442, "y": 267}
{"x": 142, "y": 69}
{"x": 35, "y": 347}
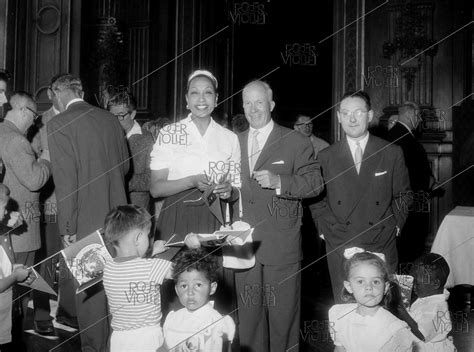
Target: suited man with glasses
{"x": 366, "y": 191}
{"x": 25, "y": 175}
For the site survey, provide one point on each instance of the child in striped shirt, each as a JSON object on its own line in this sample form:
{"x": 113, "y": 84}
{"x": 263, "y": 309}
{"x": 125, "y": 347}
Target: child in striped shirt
{"x": 132, "y": 282}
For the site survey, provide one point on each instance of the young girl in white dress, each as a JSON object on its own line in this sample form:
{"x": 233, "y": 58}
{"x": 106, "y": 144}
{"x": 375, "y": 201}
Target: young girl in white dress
{"x": 430, "y": 310}
{"x": 365, "y": 326}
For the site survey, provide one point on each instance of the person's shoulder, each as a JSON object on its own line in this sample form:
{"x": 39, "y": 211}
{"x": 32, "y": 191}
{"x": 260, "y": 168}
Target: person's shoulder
{"x": 339, "y": 311}
{"x": 386, "y": 318}
{"x": 383, "y": 145}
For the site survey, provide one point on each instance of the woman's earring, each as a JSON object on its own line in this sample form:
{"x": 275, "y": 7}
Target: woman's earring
{"x": 187, "y": 106}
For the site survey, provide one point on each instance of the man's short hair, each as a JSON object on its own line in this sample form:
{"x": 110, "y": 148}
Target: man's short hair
{"x": 300, "y": 116}
{"x": 408, "y": 105}
{"x": 123, "y": 98}
{"x": 66, "y": 81}
{"x": 123, "y": 219}
{"x": 356, "y": 94}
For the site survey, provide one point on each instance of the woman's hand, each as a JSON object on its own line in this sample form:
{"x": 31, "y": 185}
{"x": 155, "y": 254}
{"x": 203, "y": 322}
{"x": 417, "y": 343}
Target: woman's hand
{"x": 223, "y": 190}
{"x": 201, "y": 182}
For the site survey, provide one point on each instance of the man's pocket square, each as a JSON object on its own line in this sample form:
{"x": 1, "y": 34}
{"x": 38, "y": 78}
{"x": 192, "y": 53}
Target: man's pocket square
{"x": 281, "y": 162}
{"x": 380, "y": 173}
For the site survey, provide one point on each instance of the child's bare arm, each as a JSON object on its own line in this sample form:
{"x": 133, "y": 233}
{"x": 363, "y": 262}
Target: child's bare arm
{"x": 19, "y": 274}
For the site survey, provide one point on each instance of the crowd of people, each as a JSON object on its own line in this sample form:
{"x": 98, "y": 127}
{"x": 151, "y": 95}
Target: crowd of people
{"x": 89, "y": 168}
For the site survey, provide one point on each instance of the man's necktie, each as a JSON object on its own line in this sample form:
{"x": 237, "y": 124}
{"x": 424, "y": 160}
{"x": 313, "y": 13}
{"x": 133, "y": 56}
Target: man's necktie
{"x": 254, "y": 152}
{"x": 358, "y": 157}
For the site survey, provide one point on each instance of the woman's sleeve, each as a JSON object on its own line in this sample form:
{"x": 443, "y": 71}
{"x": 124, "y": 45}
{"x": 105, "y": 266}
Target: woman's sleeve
{"x": 161, "y": 154}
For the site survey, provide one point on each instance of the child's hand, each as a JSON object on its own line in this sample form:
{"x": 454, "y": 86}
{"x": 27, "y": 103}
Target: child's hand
{"x": 159, "y": 247}
{"x": 21, "y": 273}
{"x": 15, "y": 219}
{"x": 192, "y": 241}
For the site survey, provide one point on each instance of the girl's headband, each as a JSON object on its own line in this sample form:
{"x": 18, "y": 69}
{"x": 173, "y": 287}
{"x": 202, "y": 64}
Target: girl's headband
{"x": 349, "y": 253}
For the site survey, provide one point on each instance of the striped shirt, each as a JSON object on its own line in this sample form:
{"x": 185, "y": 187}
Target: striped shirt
{"x": 133, "y": 291}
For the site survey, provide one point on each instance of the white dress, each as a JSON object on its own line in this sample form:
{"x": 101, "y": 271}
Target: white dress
{"x": 357, "y": 333}
{"x": 434, "y": 322}
{"x": 202, "y": 330}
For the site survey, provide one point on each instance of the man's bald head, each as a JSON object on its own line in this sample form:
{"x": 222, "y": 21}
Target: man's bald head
{"x": 257, "y": 97}
{"x": 262, "y": 86}
{"x": 20, "y": 100}
{"x": 22, "y": 113}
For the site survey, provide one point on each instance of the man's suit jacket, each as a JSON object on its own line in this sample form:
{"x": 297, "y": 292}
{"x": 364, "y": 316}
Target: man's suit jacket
{"x": 40, "y": 143}
{"x": 364, "y": 209}
{"x": 24, "y": 176}
{"x": 277, "y": 219}
{"x": 90, "y": 159}
{"x": 415, "y": 157}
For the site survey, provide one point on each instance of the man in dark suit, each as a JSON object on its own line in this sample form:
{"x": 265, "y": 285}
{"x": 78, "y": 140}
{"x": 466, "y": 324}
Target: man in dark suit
{"x": 278, "y": 170}
{"x": 367, "y": 184}
{"x": 89, "y": 159}
{"x": 412, "y": 240}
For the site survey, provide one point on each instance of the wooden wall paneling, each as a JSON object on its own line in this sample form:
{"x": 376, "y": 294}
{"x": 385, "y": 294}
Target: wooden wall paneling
{"x": 139, "y": 53}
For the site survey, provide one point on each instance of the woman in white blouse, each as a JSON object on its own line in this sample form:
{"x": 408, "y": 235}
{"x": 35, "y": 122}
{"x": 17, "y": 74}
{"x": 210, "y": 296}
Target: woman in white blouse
{"x": 189, "y": 156}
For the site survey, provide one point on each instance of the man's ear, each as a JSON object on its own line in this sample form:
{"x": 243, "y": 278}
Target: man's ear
{"x": 133, "y": 114}
{"x": 217, "y": 98}
{"x": 338, "y": 116}
{"x": 272, "y": 105}
{"x": 370, "y": 115}
{"x": 213, "y": 287}
{"x": 347, "y": 286}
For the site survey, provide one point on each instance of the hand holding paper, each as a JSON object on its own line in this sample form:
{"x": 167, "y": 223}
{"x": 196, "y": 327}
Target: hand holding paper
{"x": 159, "y": 247}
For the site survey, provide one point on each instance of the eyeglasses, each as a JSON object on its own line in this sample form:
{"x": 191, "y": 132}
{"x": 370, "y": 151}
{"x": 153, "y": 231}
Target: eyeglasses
{"x": 121, "y": 116}
{"x": 304, "y": 124}
{"x": 35, "y": 114}
{"x": 356, "y": 113}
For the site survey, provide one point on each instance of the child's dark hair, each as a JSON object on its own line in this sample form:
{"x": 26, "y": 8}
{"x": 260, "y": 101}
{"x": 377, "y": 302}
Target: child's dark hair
{"x": 366, "y": 258}
{"x": 196, "y": 259}
{"x": 123, "y": 219}
{"x": 434, "y": 268}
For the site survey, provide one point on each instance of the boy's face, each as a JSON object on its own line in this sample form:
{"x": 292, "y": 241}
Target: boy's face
{"x": 193, "y": 289}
